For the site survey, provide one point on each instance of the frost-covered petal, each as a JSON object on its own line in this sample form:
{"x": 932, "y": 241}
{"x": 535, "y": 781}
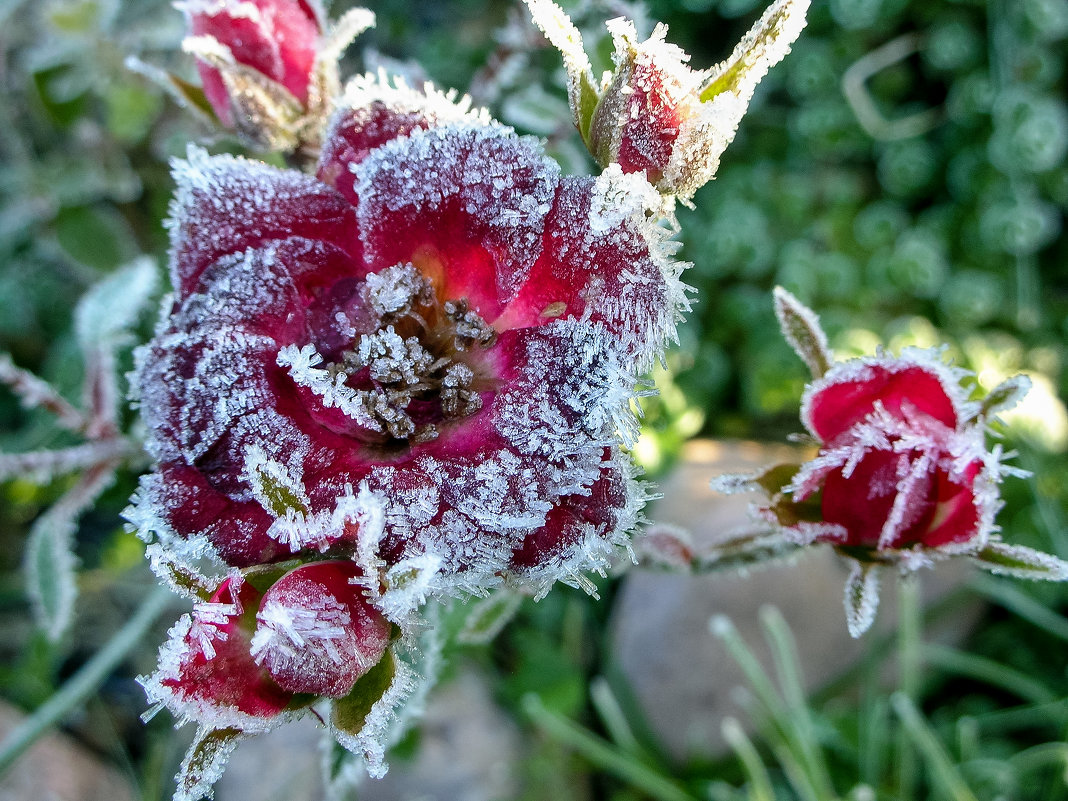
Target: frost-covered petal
{"x": 217, "y": 197}
{"x": 193, "y": 508}
{"x": 466, "y": 204}
{"x": 604, "y": 260}
{"x": 316, "y": 633}
{"x": 374, "y": 110}
{"x": 850, "y": 390}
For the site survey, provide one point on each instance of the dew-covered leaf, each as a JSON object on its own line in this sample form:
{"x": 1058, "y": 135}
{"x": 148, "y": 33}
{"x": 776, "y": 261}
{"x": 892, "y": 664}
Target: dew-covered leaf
{"x": 488, "y": 616}
{"x": 1020, "y": 561}
{"x": 110, "y": 308}
{"x": 861, "y": 597}
{"x": 204, "y": 763}
{"x": 801, "y": 328}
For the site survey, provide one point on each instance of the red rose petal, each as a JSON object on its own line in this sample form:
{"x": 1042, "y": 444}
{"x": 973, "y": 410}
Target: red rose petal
{"x": 218, "y": 198}
{"x": 464, "y": 204}
{"x": 847, "y": 395}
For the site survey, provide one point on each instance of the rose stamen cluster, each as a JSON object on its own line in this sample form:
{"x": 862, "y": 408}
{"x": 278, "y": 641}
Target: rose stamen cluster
{"x": 411, "y": 364}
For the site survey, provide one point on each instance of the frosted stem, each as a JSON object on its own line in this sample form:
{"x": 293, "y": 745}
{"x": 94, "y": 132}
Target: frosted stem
{"x": 34, "y": 393}
{"x": 910, "y": 626}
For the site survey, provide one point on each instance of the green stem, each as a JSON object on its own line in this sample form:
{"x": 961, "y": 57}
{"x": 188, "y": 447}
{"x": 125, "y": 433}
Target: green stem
{"x": 910, "y": 626}
{"x": 86, "y": 681}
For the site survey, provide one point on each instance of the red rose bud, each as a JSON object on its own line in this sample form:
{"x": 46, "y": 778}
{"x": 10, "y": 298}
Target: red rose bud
{"x": 653, "y": 114}
{"x": 268, "y": 68}
{"x": 903, "y": 462}
{"x": 903, "y": 476}
{"x": 206, "y": 671}
{"x": 424, "y": 357}
{"x": 315, "y": 633}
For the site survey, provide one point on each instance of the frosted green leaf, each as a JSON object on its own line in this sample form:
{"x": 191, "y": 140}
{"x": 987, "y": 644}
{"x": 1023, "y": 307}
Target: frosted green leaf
{"x": 349, "y": 714}
{"x": 1022, "y": 562}
{"x": 764, "y": 46}
{"x": 1004, "y": 396}
{"x": 582, "y": 91}
{"x": 488, "y": 616}
{"x": 51, "y": 570}
{"x": 861, "y": 597}
{"x": 179, "y": 576}
{"x": 801, "y": 328}
{"x": 204, "y": 763}
{"x": 277, "y": 488}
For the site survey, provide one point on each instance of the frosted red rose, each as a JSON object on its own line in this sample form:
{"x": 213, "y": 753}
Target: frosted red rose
{"x": 438, "y": 320}
{"x": 903, "y": 461}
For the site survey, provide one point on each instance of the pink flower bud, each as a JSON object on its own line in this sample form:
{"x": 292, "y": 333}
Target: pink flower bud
{"x": 902, "y": 462}
{"x": 315, "y": 633}
{"x": 654, "y": 115}
{"x": 274, "y": 38}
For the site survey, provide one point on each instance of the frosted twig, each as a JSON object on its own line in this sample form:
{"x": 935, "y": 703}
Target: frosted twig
{"x": 46, "y": 464}
{"x": 101, "y": 394}
{"x": 34, "y": 393}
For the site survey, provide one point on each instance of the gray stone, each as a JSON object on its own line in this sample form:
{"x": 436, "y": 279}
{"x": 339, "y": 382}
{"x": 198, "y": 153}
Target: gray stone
{"x": 56, "y": 768}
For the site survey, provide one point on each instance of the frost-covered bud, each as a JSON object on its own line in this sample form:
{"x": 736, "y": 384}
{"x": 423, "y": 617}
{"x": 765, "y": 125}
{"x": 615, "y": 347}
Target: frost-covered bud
{"x": 655, "y": 115}
{"x": 206, "y": 670}
{"x": 903, "y": 460}
{"x": 425, "y": 356}
{"x": 903, "y": 476}
{"x": 266, "y": 646}
{"x": 315, "y": 632}
{"x": 269, "y": 67}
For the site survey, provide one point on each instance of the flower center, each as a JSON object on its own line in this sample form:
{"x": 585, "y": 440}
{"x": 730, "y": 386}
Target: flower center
{"x": 412, "y": 362}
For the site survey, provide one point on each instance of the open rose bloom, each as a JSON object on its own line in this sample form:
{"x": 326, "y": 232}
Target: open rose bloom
{"x": 416, "y": 367}
{"x": 903, "y": 476}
